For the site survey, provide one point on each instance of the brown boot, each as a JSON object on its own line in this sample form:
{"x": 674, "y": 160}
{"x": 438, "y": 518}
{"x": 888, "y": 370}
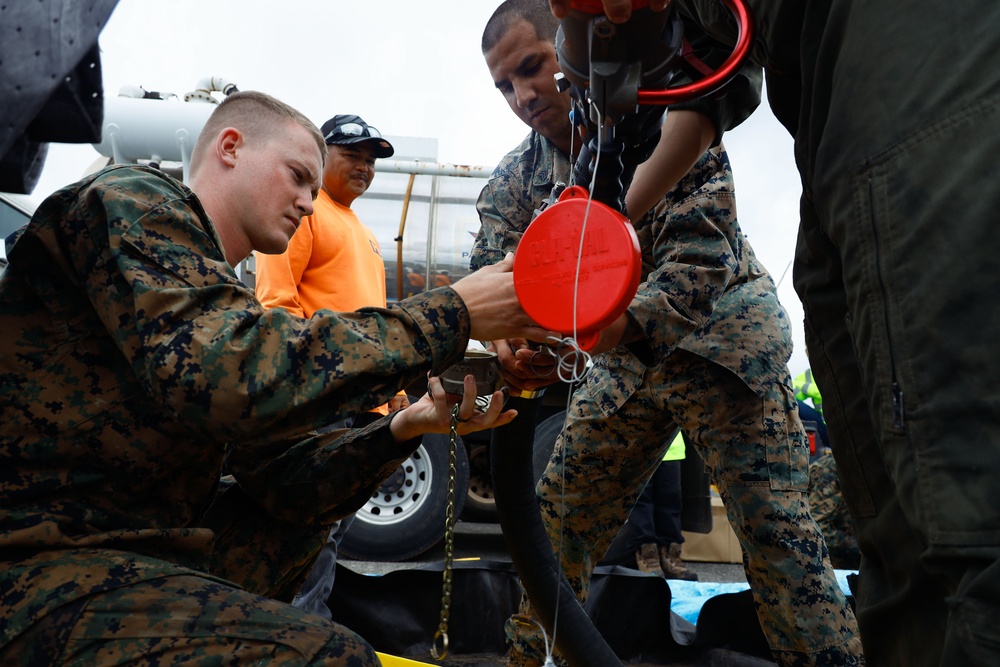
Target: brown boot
{"x": 672, "y": 565}
{"x": 647, "y": 560}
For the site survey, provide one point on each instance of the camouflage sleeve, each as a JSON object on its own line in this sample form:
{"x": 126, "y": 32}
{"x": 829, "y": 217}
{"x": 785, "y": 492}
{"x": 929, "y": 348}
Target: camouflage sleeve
{"x": 202, "y": 345}
{"x": 303, "y": 479}
{"x": 506, "y": 206}
{"x": 496, "y": 236}
{"x": 689, "y": 259}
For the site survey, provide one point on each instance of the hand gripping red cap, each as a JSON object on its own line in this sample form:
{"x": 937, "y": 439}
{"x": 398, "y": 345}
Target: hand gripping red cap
{"x": 546, "y": 268}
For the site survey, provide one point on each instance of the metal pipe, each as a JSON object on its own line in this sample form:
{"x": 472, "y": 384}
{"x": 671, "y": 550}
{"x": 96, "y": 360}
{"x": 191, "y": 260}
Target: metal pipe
{"x": 203, "y": 89}
{"x": 399, "y": 238}
{"x": 432, "y": 168}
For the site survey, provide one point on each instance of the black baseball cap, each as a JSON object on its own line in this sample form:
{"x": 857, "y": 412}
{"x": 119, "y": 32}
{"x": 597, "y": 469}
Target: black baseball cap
{"x": 350, "y": 129}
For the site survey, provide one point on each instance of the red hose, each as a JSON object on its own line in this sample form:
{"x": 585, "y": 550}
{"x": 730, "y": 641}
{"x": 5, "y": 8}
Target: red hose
{"x": 721, "y": 76}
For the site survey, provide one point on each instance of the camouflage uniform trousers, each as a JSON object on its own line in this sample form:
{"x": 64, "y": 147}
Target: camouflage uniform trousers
{"x": 828, "y": 509}
{"x": 185, "y": 620}
{"x": 756, "y": 451}
{"x": 196, "y": 620}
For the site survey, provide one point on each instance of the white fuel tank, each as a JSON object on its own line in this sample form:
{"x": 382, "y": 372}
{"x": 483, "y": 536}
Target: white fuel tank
{"x": 152, "y": 129}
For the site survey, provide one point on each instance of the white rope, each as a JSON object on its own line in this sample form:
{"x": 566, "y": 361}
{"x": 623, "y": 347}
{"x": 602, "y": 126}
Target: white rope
{"x": 573, "y": 364}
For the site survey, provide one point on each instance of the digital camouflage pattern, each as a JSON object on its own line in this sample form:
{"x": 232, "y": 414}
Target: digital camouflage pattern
{"x": 828, "y": 508}
{"x": 184, "y": 620}
{"x": 720, "y": 344}
{"x": 134, "y": 363}
{"x": 702, "y": 288}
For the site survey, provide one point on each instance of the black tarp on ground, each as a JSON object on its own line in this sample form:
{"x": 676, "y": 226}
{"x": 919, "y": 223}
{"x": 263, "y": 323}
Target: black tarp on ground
{"x": 399, "y": 613}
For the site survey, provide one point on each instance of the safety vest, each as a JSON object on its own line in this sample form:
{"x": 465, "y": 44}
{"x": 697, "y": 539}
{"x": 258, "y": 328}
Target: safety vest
{"x": 805, "y": 388}
{"x": 675, "y": 452}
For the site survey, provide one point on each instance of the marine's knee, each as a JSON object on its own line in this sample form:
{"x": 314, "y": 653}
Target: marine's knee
{"x": 344, "y": 648}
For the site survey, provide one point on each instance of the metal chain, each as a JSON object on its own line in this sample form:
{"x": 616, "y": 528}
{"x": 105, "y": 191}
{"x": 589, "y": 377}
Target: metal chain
{"x": 441, "y": 636}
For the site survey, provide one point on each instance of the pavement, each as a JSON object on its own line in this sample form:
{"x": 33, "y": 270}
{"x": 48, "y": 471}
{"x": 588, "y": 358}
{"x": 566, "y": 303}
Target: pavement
{"x": 474, "y": 540}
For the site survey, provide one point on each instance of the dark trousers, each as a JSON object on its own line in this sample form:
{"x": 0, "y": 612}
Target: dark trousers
{"x": 656, "y": 517}
{"x": 896, "y": 266}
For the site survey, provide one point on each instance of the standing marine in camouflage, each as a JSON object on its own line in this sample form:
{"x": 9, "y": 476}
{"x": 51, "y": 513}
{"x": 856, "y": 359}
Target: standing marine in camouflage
{"x": 827, "y": 506}
{"x": 134, "y": 362}
{"x": 826, "y": 502}
{"x": 704, "y": 346}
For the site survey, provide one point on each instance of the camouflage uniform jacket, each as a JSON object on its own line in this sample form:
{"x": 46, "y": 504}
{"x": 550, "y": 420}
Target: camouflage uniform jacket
{"x": 703, "y": 290}
{"x": 133, "y": 360}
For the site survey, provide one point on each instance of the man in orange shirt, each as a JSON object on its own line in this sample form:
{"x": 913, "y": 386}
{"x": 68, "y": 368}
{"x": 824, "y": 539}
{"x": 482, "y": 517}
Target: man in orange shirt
{"x": 333, "y": 262}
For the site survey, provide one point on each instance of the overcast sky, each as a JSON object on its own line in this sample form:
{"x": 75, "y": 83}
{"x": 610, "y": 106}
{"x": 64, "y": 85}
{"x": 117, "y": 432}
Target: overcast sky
{"x": 410, "y": 69}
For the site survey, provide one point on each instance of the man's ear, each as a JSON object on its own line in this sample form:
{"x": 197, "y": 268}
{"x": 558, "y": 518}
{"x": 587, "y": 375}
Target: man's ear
{"x": 226, "y": 145}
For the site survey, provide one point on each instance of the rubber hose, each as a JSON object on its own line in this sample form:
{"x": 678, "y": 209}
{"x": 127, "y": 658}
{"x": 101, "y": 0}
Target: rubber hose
{"x": 577, "y": 638}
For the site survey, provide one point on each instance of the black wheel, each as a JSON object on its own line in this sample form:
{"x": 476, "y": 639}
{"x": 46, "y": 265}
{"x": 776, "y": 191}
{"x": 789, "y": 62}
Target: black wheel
{"x": 406, "y": 515}
{"x": 480, "y": 505}
{"x": 545, "y": 441}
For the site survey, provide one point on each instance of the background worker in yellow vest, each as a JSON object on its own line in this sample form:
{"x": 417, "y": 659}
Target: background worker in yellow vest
{"x": 811, "y": 407}
{"x": 826, "y": 502}
{"x": 656, "y": 519}
{"x": 806, "y": 389}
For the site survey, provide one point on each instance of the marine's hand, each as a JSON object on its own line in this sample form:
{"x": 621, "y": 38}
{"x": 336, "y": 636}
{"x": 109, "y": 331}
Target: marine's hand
{"x": 398, "y": 402}
{"x": 524, "y": 368}
{"x": 432, "y": 413}
{"x": 618, "y": 11}
{"x": 493, "y": 307}
{"x": 612, "y": 335}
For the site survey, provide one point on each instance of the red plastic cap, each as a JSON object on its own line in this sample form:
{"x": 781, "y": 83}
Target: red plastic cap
{"x": 547, "y": 272}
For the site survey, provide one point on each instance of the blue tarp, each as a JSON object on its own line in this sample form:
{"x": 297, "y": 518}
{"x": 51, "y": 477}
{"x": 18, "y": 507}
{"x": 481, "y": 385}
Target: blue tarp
{"x": 687, "y": 597}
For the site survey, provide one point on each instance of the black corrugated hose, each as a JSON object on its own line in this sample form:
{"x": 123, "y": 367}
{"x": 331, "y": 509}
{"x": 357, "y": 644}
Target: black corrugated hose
{"x": 577, "y": 638}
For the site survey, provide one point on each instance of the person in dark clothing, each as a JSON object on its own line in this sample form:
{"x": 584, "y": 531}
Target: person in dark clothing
{"x": 655, "y": 519}
{"x": 812, "y": 416}
{"x": 703, "y": 346}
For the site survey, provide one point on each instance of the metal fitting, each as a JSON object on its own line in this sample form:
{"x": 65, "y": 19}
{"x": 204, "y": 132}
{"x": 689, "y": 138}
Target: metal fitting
{"x": 480, "y": 364}
{"x": 536, "y": 393}
{"x": 562, "y": 83}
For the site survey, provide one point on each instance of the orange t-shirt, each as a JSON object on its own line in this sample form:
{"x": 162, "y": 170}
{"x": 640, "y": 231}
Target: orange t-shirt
{"x": 333, "y": 261}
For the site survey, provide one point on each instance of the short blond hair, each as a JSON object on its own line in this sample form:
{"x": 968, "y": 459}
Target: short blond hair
{"x": 255, "y": 114}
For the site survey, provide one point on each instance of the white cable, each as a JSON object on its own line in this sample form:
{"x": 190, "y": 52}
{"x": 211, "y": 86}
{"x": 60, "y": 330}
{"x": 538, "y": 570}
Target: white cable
{"x": 583, "y": 230}
{"x": 572, "y": 362}
{"x": 571, "y": 372}
{"x": 548, "y": 647}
